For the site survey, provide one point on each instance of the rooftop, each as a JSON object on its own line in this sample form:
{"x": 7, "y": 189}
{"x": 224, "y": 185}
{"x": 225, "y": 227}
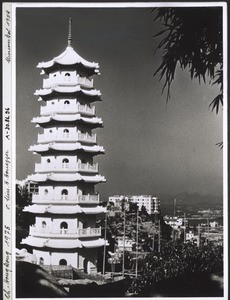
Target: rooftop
{"x": 68, "y": 58}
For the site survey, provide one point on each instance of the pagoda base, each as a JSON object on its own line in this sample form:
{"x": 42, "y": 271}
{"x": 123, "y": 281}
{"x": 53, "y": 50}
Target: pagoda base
{"x": 83, "y": 260}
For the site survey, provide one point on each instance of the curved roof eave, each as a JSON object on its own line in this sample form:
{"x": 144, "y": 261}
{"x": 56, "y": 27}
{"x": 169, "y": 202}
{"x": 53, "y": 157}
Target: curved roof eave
{"x": 67, "y": 118}
{"x": 68, "y": 58}
{"x": 45, "y": 94}
{"x": 60, "y": 177}
{"x": 65, "y": 89}
{"x": 67, "y": 147}
{"x": 51, "y": 243}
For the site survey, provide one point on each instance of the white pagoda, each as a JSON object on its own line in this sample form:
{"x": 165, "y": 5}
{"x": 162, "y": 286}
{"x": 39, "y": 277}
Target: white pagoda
{"x": 66, "y": 204}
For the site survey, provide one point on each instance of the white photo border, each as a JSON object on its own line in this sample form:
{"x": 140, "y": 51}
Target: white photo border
{"x": 9, "y": 123}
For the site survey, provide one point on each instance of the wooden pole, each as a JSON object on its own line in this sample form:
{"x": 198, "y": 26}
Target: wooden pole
{"x": 159, "y": 236}
{"x": 103, "y": 272}
{"x": 153, "y": 242}
{"x": 184, "y": 229}
{"x": 123, "y": 261}
{"x": 198, "y": 240}
{"x": 137, "y": 242}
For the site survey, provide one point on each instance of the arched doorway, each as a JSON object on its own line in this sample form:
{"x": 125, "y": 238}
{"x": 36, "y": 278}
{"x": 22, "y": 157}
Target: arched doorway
{"x": 62, "y": 262}
{"x": 86, "y": 265}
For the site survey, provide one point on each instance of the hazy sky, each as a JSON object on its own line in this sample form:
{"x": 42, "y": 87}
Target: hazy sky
{"x": 151, "y": 148}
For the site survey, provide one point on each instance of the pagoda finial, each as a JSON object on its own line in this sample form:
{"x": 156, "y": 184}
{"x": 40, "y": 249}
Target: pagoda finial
{"x": 70, "y": 33}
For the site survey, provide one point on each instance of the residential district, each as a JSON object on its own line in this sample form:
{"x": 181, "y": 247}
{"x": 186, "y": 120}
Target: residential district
{"x": 133, "y": 226}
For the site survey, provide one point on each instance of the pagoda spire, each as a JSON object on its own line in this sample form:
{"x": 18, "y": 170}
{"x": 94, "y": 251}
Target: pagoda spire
{"x": 70, "y": 33}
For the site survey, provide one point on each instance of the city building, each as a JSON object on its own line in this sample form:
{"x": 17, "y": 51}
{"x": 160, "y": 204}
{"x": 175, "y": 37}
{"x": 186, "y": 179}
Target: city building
{"x": 175, "y": 222}
{"x": 214, "y": 224}
{"x": 152, "y": 204}
{"x": 66, "y": 204}
{"x": 30, "y": 185}
{"x": 190, "y": 236}
{"x": 126, "y": 243}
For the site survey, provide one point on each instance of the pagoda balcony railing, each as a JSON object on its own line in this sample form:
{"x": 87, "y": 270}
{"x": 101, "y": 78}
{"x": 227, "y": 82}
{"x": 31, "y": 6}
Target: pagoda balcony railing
{"x": 86, "y": 167}
{"x": 64, "y": 232}
{"x": 67, "y": 137}
{"x": 65, "y": 199}
{"x": 72, "y": 80}
{"x": 68, "y": 108}
{"x": 86, "y": 137}
{"x": 88, "y": 198}
{"x": 66, "y": 167}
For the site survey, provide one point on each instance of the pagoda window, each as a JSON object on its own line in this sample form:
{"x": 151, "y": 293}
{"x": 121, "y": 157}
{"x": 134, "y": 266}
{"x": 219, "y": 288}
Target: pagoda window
{"x": 65, "y": 162}
{"x": 63, "y": 225}
{"x": 67, "y": 102}
{"x": 66, "y": 132}
{"x": 46, "y": 192}
{"x": 50, "y": 131}
{"x": 67, "y": 77}
{"x": 41, "y": 261}
{"x": 62, "y": 262}
{"x": 52, "y": 103}
{"x": 64, "y": 192}
{"x": 43, "y": 224}
{"x": 48, "y": 161}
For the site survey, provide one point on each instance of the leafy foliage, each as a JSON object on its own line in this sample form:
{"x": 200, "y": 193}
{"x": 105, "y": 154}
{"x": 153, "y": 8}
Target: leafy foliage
{"x": 192, "y": 39}
{"x": 115, "y": 228}
{"x": 178, "y": 259}
{"x": 23, "y": 220}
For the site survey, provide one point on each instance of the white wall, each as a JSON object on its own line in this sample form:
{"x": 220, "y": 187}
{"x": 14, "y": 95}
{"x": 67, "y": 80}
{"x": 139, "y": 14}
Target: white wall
{"x": 75, "y": 259}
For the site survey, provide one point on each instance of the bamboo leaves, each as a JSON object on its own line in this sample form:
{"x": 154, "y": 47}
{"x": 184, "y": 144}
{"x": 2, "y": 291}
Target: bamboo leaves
{"x": 192, "y": 40}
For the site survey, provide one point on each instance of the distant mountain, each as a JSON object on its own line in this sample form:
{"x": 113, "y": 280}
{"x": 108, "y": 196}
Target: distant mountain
{"x": 195, "y": 198}
{"x": 193, "y": 201}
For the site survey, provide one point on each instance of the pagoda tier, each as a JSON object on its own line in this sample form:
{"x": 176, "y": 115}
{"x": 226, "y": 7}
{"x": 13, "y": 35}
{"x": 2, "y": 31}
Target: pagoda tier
{"x": 63, "y": 106}
{"x": 70, "y": 60}
{"x": 65, "y": 91}
{"x": 68, "y": 199}
{"x": 66, "y": 206}
{"x": 62, "y": 167}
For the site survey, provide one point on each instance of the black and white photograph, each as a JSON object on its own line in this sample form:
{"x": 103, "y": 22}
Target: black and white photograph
{"x": 115, "y": 150}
